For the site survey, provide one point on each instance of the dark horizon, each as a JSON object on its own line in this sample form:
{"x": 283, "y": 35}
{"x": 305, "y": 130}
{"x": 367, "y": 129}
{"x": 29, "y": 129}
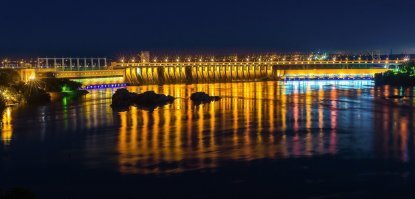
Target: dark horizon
{"x": 114, "y": 28}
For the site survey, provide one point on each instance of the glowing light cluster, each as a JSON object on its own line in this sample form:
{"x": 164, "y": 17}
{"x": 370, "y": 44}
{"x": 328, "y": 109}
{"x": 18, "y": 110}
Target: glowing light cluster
{"x": 9, "y": 96}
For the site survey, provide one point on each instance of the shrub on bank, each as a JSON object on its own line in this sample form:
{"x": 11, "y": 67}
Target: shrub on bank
{"x": 36, "y": 91}
{"x": 30, "y": 93}
{"x": 65, "y": 86}
{"x": 9, "y": 77}
{"x": 394, "y": 79}
{"x": 60, "y": 85}
{"x": 33, "y": 94}
{"x": 404, "y": 76}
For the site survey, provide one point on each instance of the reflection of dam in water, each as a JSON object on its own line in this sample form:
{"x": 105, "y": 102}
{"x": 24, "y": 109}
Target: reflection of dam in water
{"x": 254, "y": 120}
{"x": 206, "y": 72}
{"x": 263, "y": 120}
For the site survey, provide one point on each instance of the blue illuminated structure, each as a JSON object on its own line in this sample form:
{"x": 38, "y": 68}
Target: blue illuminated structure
{"x": 328, "y": 78}
{"x": 105, "y": 86}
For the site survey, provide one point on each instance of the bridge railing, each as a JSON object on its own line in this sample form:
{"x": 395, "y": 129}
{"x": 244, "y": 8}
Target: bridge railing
{"x": 73, "y": 64}
{"x": 280, "y": 63}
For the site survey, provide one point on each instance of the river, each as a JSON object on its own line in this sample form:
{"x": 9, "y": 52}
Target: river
{"x": 61, "y": 147}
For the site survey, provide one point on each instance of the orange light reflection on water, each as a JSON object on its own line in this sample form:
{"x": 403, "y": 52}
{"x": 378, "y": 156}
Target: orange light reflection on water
{"x": 6, "y": 127}
{"x": 253, "y": 120}
{"x": 182, "y": 136}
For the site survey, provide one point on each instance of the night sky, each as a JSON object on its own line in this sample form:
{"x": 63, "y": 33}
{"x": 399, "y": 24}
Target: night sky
{"x": 115, "y": 27}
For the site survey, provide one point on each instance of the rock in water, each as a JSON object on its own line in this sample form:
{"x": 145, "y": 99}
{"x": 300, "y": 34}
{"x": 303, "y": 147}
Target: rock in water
{"x": 122, "y": 98}
{"x": 150, "y": 98}
{"x": 202, "y": 97}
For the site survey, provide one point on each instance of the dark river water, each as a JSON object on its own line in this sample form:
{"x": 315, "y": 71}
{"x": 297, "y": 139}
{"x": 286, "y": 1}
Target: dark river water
{"x": 81, "y": 147}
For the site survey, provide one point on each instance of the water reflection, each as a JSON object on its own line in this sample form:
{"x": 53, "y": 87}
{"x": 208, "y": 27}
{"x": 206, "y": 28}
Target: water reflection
{"x": 395, "y": 137}
{"x": 6, "y": 127}
{"x": 253, "y": 120}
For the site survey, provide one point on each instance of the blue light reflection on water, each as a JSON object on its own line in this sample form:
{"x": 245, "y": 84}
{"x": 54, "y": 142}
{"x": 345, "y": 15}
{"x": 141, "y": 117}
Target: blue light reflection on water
{"x": 320, "y": 84}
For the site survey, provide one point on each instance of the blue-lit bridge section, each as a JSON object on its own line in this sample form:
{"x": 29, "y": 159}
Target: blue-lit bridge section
{"x": 202, "y": 72}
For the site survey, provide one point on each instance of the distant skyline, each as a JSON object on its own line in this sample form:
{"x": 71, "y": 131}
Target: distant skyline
{"x": 112, "y": 28}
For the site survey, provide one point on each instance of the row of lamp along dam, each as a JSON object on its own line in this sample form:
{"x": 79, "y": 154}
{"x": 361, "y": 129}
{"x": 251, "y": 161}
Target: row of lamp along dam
{"x": 120, "y": 73}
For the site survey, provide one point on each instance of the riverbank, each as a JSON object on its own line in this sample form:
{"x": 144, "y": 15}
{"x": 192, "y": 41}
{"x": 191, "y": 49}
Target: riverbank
{"x": 35, "y": 91}
{"x": 404, "y": 76}
{"x": 394, "y": 79}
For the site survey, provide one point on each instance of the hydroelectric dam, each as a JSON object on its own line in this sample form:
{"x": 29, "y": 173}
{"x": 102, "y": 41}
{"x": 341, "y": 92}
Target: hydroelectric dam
{"x": 212, "y": 72}
{"x": 96, "y": 73}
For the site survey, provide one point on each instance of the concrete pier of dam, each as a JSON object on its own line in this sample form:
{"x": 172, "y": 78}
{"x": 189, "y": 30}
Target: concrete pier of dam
{"x": 237, "y": 72}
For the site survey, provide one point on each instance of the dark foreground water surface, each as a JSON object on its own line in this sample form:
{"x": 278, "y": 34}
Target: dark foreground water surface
{"x": 317, "y": 139}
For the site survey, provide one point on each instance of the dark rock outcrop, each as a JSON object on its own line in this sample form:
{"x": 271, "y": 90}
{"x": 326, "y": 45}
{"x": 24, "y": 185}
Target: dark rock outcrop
{"x": 201, "y": 97}
{"x": 122, "y": 98}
